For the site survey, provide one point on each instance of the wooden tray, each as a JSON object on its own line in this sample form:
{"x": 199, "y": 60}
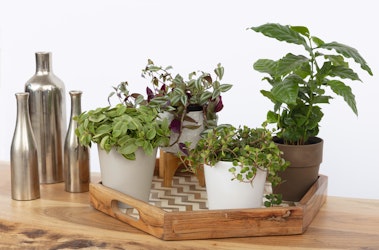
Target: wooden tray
{"x": 169, "y": 219}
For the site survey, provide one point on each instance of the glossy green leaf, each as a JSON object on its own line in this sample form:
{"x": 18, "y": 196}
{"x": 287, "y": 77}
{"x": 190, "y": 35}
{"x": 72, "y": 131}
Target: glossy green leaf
{"x": 265, "y": 66}
{"x": 290, "y": 63}
{"x": 344, "y": 73}
{"x": 345, "y": 91}
{"x": 287, "y": 90}
{"x": 300, "y": 29}
{"x": 281, "y": 33}
{"x": 348, "y": 52}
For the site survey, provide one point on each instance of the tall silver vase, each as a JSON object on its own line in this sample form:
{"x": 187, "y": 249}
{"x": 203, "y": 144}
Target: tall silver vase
{"x": 47, "y": 109}
{"x": 23, "y": 153}
{"x": 76, "y": 156}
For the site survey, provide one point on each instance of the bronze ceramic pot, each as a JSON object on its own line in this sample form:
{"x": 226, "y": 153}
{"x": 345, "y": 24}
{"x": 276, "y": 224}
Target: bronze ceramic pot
{"x": 303, "y": 171}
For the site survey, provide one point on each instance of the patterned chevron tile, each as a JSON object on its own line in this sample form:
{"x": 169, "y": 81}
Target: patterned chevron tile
{"x": 184, "y": 195}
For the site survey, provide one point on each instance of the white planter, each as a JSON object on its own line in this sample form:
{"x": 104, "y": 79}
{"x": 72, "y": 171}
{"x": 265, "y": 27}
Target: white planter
{"x": 223, "y": 193}
{"x": 129, "y": 177}
{"x": 188, "y": 135}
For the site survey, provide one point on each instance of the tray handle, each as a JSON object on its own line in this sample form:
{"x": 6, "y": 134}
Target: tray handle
{"x": 146, "y": 217}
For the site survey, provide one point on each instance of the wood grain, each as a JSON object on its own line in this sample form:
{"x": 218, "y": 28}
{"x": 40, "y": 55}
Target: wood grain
{"x": 207, "y": 224}
{"x": 61, "y": 220}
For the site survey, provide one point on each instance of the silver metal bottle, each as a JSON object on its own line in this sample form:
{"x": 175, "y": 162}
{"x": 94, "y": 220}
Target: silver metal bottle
{"x": 23, "y": 154}
{"x": 76, "y": 156}
{"x": 47, "y": 110}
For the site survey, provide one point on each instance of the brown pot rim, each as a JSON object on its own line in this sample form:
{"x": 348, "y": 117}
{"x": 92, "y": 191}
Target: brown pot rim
{"x": 311, "y": 141}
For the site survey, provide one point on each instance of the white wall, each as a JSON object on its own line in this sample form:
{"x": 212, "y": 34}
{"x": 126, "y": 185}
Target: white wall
{"x": 97, "y": 44}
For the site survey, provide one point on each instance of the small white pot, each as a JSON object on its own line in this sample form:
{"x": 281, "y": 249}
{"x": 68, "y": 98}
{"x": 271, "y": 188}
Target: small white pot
{"x": 224, "y": 193}
{"x": 127, "y": 176}
{"x": 187, "y": 135}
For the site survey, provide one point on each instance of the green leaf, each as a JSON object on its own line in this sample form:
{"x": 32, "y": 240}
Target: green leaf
{"x": 344, "y": 72}
{"x": 225, "y": 87}
{"x": 148, "y": 148}
{"x": 265, "y": 66}
{"x": 97, "y": 118}
{"x": 321, "y": 99}
{"x": 287, "y": 90}
{"x": 348, "y": 52}
{"x": 219, "y": 71}
{"x": 268, "y": 94}
{"x": 103, "y": 142}
{"x": 151, "y": 134}
{"x": 129, "y": 149}
{"x": 281, "y": 33}
{"x": 198, "y": 83}
{"x": 343, "y": 90}
{"x": 337, "y": 60}
{"x": 301, "y": 29}
{"x": 103, "y": 129}
{"x": 184, "y": 99}
{"x": 175, "y": 99}
{"x": 154, "y": 68}
{"x": 317, "y": 41}
{"x": 272, "y": 117}
{"x": 290, "y": 63}
{"x": 215, "y": 94}
{"x": 204, "y": 98}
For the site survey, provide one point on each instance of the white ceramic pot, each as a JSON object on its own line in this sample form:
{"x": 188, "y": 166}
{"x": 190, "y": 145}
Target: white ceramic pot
{"x": 131, "y": 177}
{"x": 188, "y": 135}
{"x": 224, "y": 193}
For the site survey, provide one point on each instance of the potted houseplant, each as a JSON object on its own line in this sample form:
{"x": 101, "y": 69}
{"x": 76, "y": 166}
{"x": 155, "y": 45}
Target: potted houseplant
{"x": 191, "y": 105}
{"x": 127, "y": 136}
{"x": 300, "y": 84}
{"x": 237, "y": 162}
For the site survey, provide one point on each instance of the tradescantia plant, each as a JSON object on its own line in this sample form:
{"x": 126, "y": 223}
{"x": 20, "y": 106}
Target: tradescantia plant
{"x": 300, "y": 83}
{"x": 177, "y": 95}
{"x": 125, "y": 128}
{"x": 247, "y": 148}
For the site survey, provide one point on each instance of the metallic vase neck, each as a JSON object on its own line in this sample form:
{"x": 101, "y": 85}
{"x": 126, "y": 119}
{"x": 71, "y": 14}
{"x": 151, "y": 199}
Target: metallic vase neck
{"x": 75, "y": 102}
{"x": 22, "y": 103}
{"x": 43, "y": 63}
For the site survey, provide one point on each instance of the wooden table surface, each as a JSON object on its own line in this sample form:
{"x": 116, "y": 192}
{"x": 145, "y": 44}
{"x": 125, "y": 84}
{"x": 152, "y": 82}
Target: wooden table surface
{"x": 62, "y": 220}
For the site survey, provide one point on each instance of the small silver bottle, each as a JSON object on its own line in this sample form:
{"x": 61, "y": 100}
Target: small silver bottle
{"x": 23, "y": 155}
{"x": 47, "y": 110}
{"x": 76, "y": 156}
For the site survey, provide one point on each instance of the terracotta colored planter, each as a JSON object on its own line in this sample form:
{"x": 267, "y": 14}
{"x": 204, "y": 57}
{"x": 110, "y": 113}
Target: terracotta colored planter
{"x": 303, "y": 171}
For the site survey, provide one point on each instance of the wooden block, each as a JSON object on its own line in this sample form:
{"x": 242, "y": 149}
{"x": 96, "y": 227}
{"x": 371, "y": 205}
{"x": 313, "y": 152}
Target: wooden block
{"x": 169, "y": 164}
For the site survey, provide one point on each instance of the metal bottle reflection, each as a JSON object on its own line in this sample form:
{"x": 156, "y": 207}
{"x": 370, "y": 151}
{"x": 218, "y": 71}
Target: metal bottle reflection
{"x": 23, "y": 155}
{"x": 76, "y": 156}
{"x": 47, "y": 111}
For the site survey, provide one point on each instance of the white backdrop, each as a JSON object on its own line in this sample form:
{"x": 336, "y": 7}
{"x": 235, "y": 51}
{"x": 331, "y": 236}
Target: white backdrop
{"x": 97, "y": 44}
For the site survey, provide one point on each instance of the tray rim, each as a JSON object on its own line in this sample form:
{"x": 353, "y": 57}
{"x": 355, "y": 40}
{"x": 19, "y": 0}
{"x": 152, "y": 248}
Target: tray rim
{"x": 166, "y": 225}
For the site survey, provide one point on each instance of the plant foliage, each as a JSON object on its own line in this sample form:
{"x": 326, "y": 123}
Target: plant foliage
{"x": 124, "y": 128}
{"x": 300, "y": 83}
{"x": 248, "y": 149}
{"x": 177, "y": 95}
